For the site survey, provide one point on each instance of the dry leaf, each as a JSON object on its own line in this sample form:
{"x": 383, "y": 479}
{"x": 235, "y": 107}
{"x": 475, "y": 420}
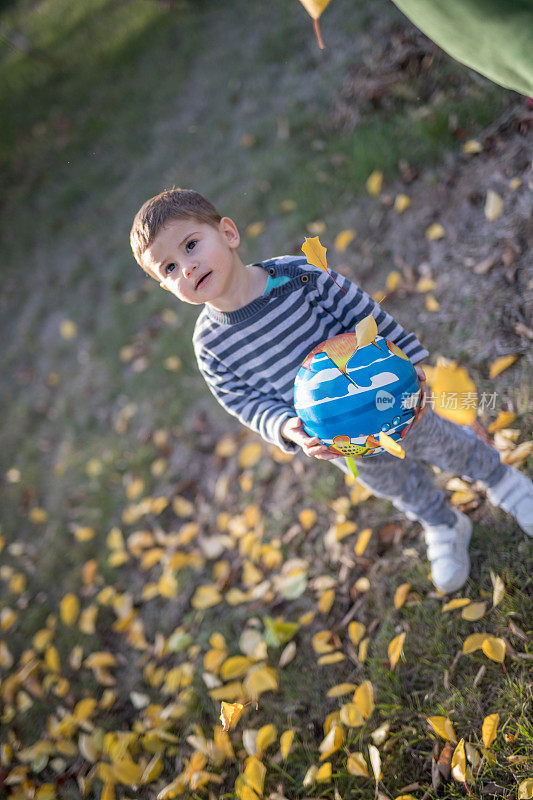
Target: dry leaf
{"x": 363, "y": 539}
{"x": 401, "y": 593}
{"x": 393, "y": 280}
{"x": 356, "y": 631}
{"x": 351, "y": 715}
{"x": 314, "y": 7}
{"x": 443, "y": 727}
{"x": 401, "y": 203}
{"x": 474, "y": 611}
{"x": 448, "y": 381}
{"x": 340, "y": 689}
{"x": 356, "y": 765}
{"x": 489, "y": 728}
{"x": 374, "y": 183}
{"x": 254, "y": 774}
{"x": 307, "y": 517}
{"x": 343, "y": 239}
{"x": 324, "y": 773}
{"x": 331, "y": 743}
{"x": 431, "y": 303}
{"x": 493, "y": 206}
{"x": 472, "y": 147}
{"x": 206, "y": 596}
{"x": 434, "y": 232}
{"x": 260, "y": 679}
{"x": 250, "y": 455}
{"x": 502, "y": 363}
{"x": 364, "y": 699}
{"x": 285, "y": 742}
{"x": 498, "y": 589}
{"x": 315, "y": 253}
{"x": 525, "y": 789}
{"x": 254, "y": 229}
{"x": 266, "y": 736}
{"x": 459, "y": 762}
{"x": 69, "y": 609}
{"x": 474, "y": 642}
{"x": 494, "y": 648}
{"x": 503, "y": 420}
{"x": 375, "y": 760}
{"x": 394, "y": 649}
{"x": 458, "y": 602}
{"x": 390, "y": 445}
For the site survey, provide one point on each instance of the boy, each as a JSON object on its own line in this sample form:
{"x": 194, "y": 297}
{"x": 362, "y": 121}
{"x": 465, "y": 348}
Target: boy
{"x": 258, "y": 324}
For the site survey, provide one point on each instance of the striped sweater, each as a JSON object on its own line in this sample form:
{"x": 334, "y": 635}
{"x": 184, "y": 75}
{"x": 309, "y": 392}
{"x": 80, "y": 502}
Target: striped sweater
{"x": 249, "y": 357}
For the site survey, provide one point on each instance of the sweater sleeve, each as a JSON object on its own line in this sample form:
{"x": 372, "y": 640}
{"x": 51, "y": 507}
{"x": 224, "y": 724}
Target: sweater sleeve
{"x": 353, "y": 304}
{"x": 262, "y": 413}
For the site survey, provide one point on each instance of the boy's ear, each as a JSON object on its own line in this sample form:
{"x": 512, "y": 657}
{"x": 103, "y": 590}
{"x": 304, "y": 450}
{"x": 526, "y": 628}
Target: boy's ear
{"x": 228, "y": 229}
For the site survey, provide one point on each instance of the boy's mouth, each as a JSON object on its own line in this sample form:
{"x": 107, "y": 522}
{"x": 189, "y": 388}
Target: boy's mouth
{"x": 202, "y": 280}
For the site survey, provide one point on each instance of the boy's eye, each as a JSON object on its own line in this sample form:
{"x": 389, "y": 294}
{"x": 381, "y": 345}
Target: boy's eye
{"x": 169, "y": 268}
{"x": 190, "y": 245}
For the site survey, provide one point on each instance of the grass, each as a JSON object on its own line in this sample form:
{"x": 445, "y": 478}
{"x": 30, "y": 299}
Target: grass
{"x": 111, "y": 102}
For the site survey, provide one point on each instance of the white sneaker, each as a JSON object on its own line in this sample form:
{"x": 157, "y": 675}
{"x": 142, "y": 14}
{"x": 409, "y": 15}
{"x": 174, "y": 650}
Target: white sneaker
{"x": 448, "y": 552}
{"x": 514, "y": 493}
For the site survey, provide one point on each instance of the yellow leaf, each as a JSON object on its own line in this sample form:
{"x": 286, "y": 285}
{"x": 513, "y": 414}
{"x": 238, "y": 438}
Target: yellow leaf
{"x": 494, "y": 648}
{"x": 502, "y": 363}
{"x": 69, "y": 609}
{"x": 314, "y": 7}
{"x": 425, "y": 285}
{"x": 458, "y": 602}
{"x": 356, "y": 765}
{"x": 307, "y": 518}
{"x": 344, "y": 529}
{"x": 153, "y": 769}
{"x": 83, "y": 534}
{"x": 250, "y": 455}
{"x": 100, "y": 659}
{"x": 394, "y": 649}
{"x": 51, "y": 659}
{"x": 375, "y": 760}
{"x": 254, "y": 774}
{"x": 498, "y": 589}
{"x": 356, "y": 631}
{"x": 266, "y": 736}
{"x": 364, "y": 699}
{"x": 285, "y": 742}
{"x": 38, "y": 515}
{"x": 474, "y": 642}
{"x": 206, "y": 596}
{"x": 525, "y": 790}
{"x": 177, "y": 786}
{"x": 321, "y": 642}
{"x": 167, "y": 585}
{"x": 374, "y": 183}
{"x": 363, "y": 649}
{"x": 83, "y": 709}
{"x": 401, "y": 203}
{"x": 363, "y": 539}
{"x": 340, "y": 689}
{"x": 392, "y": 447}
{"x": 434, "y": 232}
{"x": 254, "y": 229}
{"x": 231, "y": 691}
{"x": 454, "y": 393}
{"x": 474, "y": 611}
{"x": 489, "y": 728}
{"x": 127, "y": 771}
{"x": 393, "y": 280}
{"x": 331, "y": 743}
{"x": 443, "y": 727}
{"x": 343, "y": 239}
{"x": 400, "y": 595}
{"x": 459, "y": 762}
{"x": 234, "y": 667}
{"x": 351, "y": 715}
{"x": 260, "y": 679}
{"x": 331, "y": 658}
{"x": 493, "y": 205}
{"x": 310, "y": 775}
{"x": 503, "y": 420}
{"x": 68, "y": 329}
{"x": 229, "y": 714}
{"x": 431, "y": 304}
{"x": 324, "y": 773}
{"x": 472, "y": 147}
{"x": 326, "y": 601}
{"x": 315, "y": 252}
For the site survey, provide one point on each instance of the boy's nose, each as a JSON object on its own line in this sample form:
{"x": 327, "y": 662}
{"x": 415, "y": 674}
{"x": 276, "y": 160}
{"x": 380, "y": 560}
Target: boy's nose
{"x": 189, "y": 269}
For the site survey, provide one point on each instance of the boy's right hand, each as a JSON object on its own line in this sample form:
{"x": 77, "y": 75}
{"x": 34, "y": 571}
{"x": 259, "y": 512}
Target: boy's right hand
{"x": 293, "y": 430}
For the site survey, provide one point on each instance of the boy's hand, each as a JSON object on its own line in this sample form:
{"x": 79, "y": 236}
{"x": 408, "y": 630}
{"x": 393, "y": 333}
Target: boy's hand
{"x": 293, "y": 430}
{"x": 422, "y": 403}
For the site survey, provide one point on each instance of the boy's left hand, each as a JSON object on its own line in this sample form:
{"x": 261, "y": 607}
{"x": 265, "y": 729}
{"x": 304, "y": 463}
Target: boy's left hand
{"x": 422, "y": 403}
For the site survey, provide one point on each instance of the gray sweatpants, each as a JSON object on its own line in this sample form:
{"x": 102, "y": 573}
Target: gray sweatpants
{"x": 409, "y": 485}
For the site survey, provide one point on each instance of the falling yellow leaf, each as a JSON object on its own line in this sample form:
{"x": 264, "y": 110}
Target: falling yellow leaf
{"x": 443, "y": 727}
{"x": 332, "y": 742}
{"x": 285, "y": 742}
{"x": 503, "y": 420}
{"x": 364, "y": 699}
{"x": 458, "y": 602}
{"x": 356, "y": 765}
{"x": 459, "y": 762}
{"x": 401, "y": 593}
{"x": 502, "y": 363}
{"x": 474, "y": 611}
{"x": 363, "y": 539}
{"x": 525, "y": 789}
{"x": 474, "y": 642}
{"x": 434, "y": 232}
{"x": 390, "y": 445}
{"x": 401, "y": 203}
{"x": 375, "y": 760}
{"x": 68, "y": 329}
{"x": 493, "y": 205}
{"x": 394, "y": 649}
{"x": 315, "y": 252}
{"x": 374, "y": 183}
{"x": 393, "y": 280}
{"x": 307, "y": 517}
{"x": 356, "y": 631}
{"x": 489, "y": 729}
{"x": 494, "y": 648}
{"x": 230, "y": 714}
{"x": 343, "y": 239}
{"x": 471, "y": 147}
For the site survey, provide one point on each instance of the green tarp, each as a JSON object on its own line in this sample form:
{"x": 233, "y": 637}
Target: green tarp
{"x": 494, "y": 37}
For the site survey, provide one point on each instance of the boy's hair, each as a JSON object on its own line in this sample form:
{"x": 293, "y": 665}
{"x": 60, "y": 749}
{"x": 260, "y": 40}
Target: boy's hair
{"x": 169, "y": 205}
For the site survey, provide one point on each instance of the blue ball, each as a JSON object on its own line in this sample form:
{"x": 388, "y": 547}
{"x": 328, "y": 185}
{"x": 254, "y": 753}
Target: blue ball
{"x": 346, "y": 394}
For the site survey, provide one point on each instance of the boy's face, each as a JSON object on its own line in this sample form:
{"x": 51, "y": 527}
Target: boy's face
{"x": 194, "y": 260}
